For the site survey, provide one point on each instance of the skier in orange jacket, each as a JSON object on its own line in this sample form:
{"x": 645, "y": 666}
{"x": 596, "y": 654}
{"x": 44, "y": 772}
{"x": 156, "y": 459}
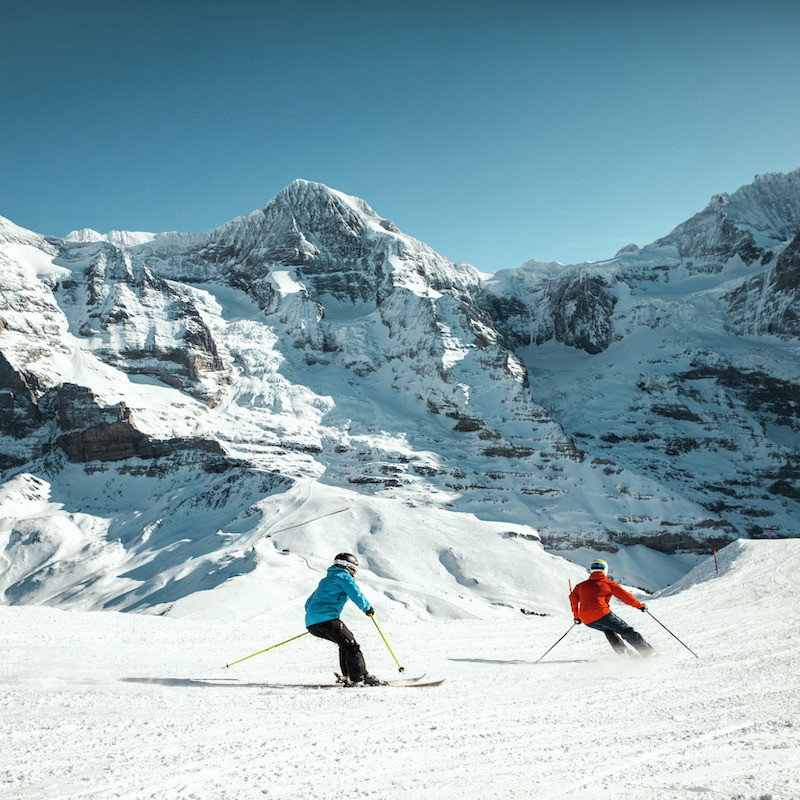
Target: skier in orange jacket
{"x": 589, "y": 601}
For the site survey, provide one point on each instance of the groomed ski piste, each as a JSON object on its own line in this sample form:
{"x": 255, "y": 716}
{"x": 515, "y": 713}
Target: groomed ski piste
{"x": 110, "y": 705}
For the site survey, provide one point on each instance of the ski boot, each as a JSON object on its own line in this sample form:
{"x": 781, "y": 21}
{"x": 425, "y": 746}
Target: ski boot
{"x": 367, "y": 680}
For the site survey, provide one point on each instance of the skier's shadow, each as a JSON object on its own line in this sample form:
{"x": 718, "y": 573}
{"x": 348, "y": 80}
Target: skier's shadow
{"x": 201, "y": 683}
{"x": 517, "y": 661}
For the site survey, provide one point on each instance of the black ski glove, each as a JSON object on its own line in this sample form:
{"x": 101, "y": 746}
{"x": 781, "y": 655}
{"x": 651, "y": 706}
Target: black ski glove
{"x": 577, "y": 621}
{"x": 643, "y": 608}
{"x": 370, "y": 611}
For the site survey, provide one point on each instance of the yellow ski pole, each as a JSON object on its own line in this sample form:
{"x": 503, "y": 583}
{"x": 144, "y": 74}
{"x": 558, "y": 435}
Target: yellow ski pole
{"x": 264, "y": 650}
{"x": 401, "y": 669}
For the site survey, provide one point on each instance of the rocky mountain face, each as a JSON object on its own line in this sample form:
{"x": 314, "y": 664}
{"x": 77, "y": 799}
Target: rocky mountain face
{"x": 651, "y": 399}
{"x": 696, "y": 338}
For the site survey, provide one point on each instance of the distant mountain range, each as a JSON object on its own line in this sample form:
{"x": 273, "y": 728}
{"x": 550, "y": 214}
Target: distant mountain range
{"x": 156, "y": 387}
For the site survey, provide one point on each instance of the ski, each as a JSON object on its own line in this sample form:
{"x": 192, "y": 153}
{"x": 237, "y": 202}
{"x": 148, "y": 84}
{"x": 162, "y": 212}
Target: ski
{"x": 403, "y": 681}
{"x": 342, "y": 679}
{"x": 419, "y": 683}
{"x": 395, "y": 684}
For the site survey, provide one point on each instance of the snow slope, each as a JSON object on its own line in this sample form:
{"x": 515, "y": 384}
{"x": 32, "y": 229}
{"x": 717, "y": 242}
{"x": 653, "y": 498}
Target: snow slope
{"x": 107, "y": 705}
{"x": 208, "y": 548}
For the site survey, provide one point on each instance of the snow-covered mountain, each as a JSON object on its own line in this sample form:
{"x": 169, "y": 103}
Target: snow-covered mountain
{"x": 169, "y": 403}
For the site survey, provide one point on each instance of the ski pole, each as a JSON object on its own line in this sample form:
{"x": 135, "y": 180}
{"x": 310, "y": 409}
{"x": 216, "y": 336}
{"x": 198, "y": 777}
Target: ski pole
{"x": 672, "y": 634}
{"x": 545, "y": 653}
{"x": 264, "y": 650}
{"x": 400, "y": 669}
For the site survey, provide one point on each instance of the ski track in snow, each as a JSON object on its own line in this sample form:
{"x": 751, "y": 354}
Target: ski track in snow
{"x": 106, "y": 705}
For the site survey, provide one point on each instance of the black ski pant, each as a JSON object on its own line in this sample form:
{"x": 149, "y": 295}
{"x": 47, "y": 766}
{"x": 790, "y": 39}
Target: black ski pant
{"x": 614, "y": 628}
{"x": 351, "y": 660}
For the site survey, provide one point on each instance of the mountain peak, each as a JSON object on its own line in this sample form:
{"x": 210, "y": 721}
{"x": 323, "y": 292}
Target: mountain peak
{"x": 719, "y": 200}
{"x": 769, "y": 206}
{"x": 307, "y": 200}
{"x": 300, "y": 188}
{"x": 11, "y": 232}
{"x": 753, "y": 219}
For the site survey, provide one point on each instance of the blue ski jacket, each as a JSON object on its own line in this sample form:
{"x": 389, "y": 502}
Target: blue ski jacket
{"x": 331, "y": 594}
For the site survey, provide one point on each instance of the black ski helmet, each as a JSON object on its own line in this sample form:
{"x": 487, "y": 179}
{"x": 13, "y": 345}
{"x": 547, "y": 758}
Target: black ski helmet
{"x": 346, "y": 560}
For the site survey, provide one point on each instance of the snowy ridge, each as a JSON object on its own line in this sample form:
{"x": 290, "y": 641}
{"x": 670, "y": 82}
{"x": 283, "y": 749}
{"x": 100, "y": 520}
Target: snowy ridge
{"x": 119, "y": 238}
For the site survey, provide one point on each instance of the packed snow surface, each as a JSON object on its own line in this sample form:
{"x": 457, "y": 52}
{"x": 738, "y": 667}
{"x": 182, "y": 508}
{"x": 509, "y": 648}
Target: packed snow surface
{"x": 109, "y": 705}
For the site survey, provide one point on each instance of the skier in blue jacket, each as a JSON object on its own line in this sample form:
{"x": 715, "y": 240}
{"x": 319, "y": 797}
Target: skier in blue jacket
{"x": 322, "y": 617}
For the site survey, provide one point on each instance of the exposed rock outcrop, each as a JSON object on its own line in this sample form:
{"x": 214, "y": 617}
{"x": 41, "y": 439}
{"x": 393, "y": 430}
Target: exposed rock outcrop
{"x": 769, "y": 303}
{"x": 574, "y": 307}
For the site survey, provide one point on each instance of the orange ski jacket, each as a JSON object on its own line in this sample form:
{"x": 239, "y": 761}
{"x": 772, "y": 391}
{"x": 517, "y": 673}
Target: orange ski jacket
{"x": 589, "y": 599}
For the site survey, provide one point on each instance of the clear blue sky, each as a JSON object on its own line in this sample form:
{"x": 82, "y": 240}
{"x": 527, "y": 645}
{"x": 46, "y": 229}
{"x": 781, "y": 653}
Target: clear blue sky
{"x": 494, "y": 131}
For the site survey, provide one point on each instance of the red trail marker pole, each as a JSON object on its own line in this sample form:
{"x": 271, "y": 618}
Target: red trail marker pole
{"x": 716, "y": 568}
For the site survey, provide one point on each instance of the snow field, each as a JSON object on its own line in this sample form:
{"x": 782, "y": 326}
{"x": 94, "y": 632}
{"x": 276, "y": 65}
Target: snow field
{"x": 106, "y": 705}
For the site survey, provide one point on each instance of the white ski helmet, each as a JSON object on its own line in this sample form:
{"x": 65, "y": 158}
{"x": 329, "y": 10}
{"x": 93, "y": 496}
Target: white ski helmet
{"x": 346, "y": 560}
{"x": 598, "y": 565}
